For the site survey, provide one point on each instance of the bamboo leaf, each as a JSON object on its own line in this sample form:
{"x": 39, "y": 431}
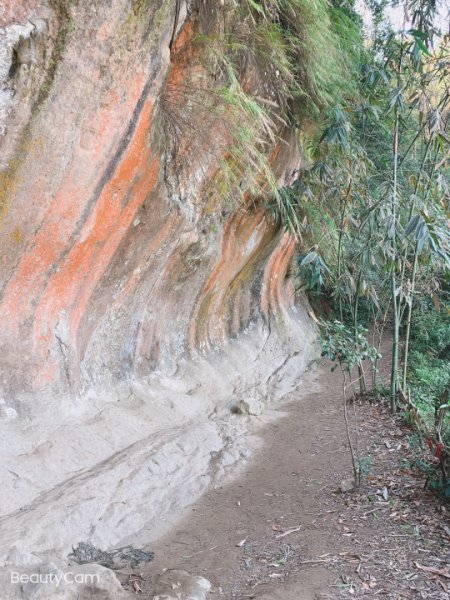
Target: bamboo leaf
{"x": 309, "y": 258}
{"x": 412, "y": 225}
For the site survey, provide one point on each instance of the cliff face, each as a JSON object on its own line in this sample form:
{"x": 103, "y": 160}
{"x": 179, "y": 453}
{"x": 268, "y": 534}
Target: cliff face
{"x": 115, "y": 260}
{"x": 123, "y": 265}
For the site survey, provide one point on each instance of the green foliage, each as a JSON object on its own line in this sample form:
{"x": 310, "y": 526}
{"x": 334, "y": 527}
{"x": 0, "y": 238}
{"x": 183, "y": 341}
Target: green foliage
{"x": 429, "y": 377}
{"x": 429, "y": 360}
{"x": 365, "y": 312}
{"x": 328, "y": 46}
{"x": 346, "y": 346}
{"x": 431, "y": 329}
{"x": 379, "y": 177}
{"x": 284, "y": 208}
{"x": 436, "y": 480}
{"x": 312, "y": 271}
{"x": 364, "y": 466}
{"x": 380, "y": 391}
{"x": 251, "y": 130}
{"x": 302, "y": 51}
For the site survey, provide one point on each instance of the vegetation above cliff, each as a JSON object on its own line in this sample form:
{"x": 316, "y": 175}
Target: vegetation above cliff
{"x": 262, "y": 68}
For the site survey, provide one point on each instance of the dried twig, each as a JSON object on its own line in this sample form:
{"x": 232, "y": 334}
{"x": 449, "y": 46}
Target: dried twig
{"x": 288, "y": 532}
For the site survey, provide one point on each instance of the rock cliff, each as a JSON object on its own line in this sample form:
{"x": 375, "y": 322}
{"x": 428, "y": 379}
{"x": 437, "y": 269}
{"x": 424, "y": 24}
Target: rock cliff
{"x": 144, "y": 292}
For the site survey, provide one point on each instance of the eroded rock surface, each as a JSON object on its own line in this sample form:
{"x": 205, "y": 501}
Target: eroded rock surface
{"x": 139, "y": 308}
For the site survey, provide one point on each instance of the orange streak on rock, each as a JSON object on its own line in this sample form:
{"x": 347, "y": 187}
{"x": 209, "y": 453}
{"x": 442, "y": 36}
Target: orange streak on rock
{"x": 71, "y": 288}
{"x": 97, "y": 262}
{"x": 242, "y": 242}
{"x": 274, "y": 294}
{"x": 14, "y": 11}
{"x": 184, "y": 37}
{"x": 17, "y": 305}
{"x": 60, "y": 218}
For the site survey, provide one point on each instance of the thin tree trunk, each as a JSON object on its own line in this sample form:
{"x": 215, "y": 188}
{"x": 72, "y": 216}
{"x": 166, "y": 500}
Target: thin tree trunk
{"x": 355, "y": 421}
{"x": 347, "y": 427}
{"x": 408, "y": 318}
{"x": 374, "y": 333}
{"x": 339, "y": 250}
{"x": 395, "y": 335}
{"x": 395, "y": 315}
{"x": 361, "y": 375}
{"x": 380, "y": 332}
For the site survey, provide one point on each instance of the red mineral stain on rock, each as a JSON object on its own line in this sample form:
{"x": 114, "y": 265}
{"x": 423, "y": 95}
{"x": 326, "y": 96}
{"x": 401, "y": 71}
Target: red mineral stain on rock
{"x": 12, "y": 11}
{"x": 245, "y": 240}
{"x": 276, "y": 297}
{"x": 70, "y": 289}
{"x": 81, "y": 276}
{"x": 59, "y": 219}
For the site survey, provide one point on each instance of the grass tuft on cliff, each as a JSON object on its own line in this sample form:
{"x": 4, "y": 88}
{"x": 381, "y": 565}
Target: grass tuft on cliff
{"x": 271, "y": 65}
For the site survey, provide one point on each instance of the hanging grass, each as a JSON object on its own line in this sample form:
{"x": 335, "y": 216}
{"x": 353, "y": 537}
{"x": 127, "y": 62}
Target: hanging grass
{"x": 270, "y": 65}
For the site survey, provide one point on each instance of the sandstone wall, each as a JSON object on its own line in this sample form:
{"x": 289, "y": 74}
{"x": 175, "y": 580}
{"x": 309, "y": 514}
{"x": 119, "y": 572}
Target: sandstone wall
{"x": 137, "y": 305}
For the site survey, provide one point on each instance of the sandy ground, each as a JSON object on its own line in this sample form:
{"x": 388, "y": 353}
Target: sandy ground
{"x": 281, "y": 489}
{"x": 280, "y": 531}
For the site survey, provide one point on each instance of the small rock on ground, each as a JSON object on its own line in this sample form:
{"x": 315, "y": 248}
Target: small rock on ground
{"x": 179, "y": 585}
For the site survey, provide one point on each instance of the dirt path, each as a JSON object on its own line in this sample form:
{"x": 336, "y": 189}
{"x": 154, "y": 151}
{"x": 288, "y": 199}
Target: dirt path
{"x": 281, "y": 532}
{"x": 281, "y": 489}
